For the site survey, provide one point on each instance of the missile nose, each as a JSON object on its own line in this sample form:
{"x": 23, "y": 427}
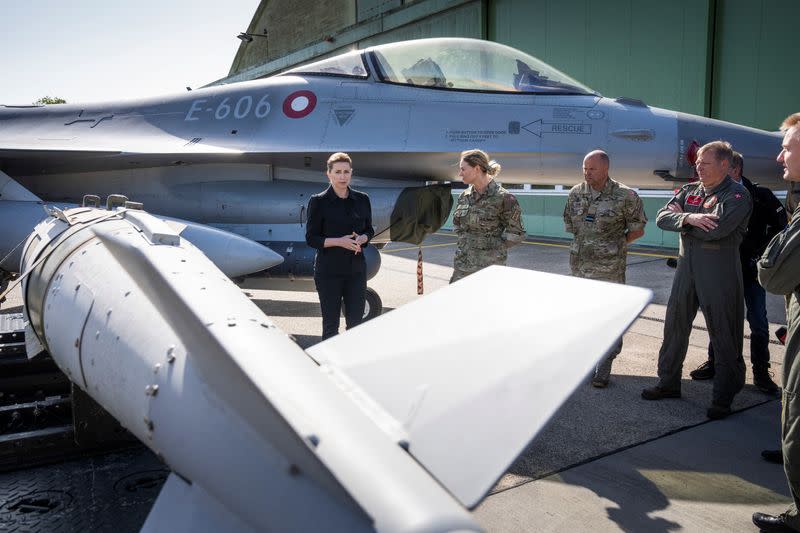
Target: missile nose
{"x": 233, "y": 254}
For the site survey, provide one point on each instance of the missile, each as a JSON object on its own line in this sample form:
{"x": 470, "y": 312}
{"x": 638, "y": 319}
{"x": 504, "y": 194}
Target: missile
{"x": 233, "y": 254}
{"x": 401, "y": 424}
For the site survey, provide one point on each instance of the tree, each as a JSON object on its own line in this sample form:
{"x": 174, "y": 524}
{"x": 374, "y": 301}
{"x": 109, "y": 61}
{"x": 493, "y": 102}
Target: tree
{"x": 49, "y": 100}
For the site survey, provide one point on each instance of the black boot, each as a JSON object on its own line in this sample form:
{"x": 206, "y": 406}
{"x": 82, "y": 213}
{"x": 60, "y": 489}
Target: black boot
{"x": 773, "y": 456}
{"x": 703, "y": 372}
{"x": 763, "y": 381}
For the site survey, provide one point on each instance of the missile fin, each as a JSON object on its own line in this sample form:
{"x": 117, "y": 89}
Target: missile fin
{"x": 10, "y": 189}
{"x": 476, "y": 394}
{"x": 184, "y": 507}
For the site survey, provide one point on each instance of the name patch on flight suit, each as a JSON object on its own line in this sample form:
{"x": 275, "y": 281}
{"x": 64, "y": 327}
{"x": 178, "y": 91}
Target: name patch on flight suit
{"x": 693, "y": 199}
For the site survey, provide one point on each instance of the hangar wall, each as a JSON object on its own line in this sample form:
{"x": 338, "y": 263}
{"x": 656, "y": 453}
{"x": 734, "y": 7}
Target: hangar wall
{"x": 646, "y": 49}
{"x": 728, "y": 59}
{"x": 755, "y": 75}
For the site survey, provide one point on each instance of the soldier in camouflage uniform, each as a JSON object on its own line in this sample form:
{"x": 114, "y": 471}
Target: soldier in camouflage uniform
{"x": 605, "y": 216}
{"x": 487, "y": 218}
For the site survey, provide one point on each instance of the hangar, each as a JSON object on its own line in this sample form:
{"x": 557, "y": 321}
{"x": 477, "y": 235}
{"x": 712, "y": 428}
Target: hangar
{"x": 718, "y": 58}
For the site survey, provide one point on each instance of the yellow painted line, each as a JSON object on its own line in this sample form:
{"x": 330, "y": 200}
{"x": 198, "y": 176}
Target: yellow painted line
{"x": 416, "y": 247}
{"x": 546, "y": 244}
{"x": 555, "y": 245}
{"x": 660, "y": 256}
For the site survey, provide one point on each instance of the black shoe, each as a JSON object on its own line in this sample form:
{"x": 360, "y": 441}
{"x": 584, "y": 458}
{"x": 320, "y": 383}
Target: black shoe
{"x": 599, "y": 383}
{"x": 718, "y": 412}
{"x": 657, "y": 393}
{"x": 773, "y": 456}
{"x": 768, "y": 522}
{"x": 780, "y": 333}
{"x": 763, "y": 382}
{"x": 703, "y": 372}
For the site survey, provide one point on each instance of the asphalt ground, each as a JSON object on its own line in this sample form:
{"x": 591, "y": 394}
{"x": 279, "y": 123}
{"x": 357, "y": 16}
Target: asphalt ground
{"x": 608, "y": 461}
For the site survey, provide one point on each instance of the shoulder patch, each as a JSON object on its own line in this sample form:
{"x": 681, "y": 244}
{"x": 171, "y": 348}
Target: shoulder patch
{"x": 509, "y": 200}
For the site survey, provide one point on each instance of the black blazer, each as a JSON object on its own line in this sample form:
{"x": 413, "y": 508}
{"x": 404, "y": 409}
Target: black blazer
{"x": 331, "y": 216}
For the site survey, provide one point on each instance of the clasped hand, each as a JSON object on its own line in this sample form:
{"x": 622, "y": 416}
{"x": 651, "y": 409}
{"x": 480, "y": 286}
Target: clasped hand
{"x": 353, "y": 242}
{"x": 704, "y": 221}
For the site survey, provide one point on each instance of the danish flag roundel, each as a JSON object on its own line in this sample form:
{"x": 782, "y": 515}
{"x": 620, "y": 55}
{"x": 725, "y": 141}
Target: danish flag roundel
{"x": 299, "y": 104}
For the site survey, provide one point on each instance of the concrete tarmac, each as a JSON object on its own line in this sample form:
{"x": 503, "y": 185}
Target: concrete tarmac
{"x": 608, "y": 461}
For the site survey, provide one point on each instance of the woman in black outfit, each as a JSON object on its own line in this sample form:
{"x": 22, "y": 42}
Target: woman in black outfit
{"x": 339, "y": 226}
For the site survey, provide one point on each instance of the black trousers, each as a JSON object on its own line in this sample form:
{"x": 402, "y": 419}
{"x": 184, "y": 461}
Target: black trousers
{"x": 333, "y": 290}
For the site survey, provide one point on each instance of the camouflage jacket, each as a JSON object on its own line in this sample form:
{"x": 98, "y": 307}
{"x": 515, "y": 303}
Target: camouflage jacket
{"x": 487, "y": 225}
{"x": 600, "y": 224}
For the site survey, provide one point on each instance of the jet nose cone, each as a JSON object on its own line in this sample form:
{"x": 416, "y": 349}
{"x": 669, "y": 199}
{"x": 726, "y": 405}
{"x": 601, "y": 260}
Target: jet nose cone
{"x": 758, "y": 147}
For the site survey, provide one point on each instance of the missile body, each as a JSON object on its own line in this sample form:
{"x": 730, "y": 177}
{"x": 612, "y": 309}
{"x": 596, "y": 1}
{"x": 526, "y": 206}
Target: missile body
{"x": 357, "y": 434}
{"x": 259, "y": 437}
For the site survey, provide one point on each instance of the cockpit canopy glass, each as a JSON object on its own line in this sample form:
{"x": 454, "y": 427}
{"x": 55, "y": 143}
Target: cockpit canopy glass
{"x": 472, "y": 65}
{"x": 350, "y": 64}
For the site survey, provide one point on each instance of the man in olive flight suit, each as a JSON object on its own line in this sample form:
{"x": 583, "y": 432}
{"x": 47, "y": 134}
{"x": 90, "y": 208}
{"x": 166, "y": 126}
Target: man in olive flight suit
{"x": 711, "y": 216}
{"x": 779, "y": 273}
{"x": 766, "y": 220}
{"x": 605, "y": 216}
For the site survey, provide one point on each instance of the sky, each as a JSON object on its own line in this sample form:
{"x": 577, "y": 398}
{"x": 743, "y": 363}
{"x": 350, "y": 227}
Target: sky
{"x": 99, "y": 50}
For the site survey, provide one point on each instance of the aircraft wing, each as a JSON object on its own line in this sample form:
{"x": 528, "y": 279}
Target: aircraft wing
{"x": 470, "y": 388}
{"x": 166, "y": 145}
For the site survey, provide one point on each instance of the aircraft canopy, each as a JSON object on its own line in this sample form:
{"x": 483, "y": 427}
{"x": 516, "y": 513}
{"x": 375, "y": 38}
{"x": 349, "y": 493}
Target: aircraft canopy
{"x": 453, "y": 63}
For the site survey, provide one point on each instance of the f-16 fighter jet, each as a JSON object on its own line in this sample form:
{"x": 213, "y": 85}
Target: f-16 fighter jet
{"x": 245, "y": 157}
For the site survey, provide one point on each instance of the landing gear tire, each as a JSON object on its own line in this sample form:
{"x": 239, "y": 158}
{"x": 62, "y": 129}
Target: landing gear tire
{"x": 373, "y": 306}
{"x": 5, "y": 278}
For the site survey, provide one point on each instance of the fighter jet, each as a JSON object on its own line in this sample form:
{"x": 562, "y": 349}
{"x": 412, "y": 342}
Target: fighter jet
{"x": 245, "y": 157}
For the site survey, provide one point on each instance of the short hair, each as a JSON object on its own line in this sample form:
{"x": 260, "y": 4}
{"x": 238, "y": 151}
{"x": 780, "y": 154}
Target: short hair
{"x": 479, "y": 158}
{"x": 790, "y": 121}
{"x": 601, "y": 154}
{"x": 737, "y": 161}
{"x": 339, "y": 157}
{"x": 723, "y": 151}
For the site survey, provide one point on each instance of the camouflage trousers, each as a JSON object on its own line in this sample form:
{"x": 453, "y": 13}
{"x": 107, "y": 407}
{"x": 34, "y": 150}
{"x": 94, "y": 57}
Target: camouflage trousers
{"x": 603, "y": 369}
{"x": 591, "y": 268}
{"x": 469, "y": 260}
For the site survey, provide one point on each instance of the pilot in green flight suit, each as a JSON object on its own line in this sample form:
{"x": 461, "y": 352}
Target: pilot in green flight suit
{"x": 711, "y": 216}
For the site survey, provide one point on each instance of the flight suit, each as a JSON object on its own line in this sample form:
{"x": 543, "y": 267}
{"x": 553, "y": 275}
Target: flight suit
{"x": 779, "y": 273}
{"x": 600, "y": 221}
{"x": 708, "y": 275}
{"x": 487, "y": 225}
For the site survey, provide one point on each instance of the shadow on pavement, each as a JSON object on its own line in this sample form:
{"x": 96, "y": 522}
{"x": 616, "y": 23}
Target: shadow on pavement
{"x": 596, "y": 422}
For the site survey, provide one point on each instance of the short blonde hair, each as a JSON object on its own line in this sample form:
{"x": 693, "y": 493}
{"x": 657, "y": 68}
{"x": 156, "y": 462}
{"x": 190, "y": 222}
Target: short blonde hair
{"x": 479, "y": 158}
{"x": 790, "y": 121}
{"x": 339, "y": 157}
